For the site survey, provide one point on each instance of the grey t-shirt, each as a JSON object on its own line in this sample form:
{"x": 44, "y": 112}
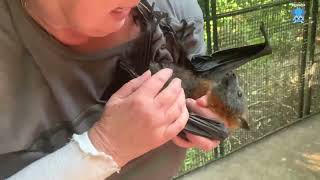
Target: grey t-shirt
{"x": 49, "y": 92}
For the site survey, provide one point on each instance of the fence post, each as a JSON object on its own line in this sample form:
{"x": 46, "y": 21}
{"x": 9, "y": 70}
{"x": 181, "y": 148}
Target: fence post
{"x": 218, "y": 152}
{"x": 214, "y": 25}
{"x": 313, "y": 31}
{"x": 208, "y": 26}
{"x": 303, "y": 58}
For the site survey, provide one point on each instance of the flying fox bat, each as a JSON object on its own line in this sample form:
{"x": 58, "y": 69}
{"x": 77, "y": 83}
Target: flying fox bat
{"x": 213, "y": 76}
{"x": 204, "y": 75}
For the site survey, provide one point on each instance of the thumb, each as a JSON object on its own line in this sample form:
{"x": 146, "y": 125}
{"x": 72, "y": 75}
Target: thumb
{"x": 191, "y": 104}
{"x": 132, "y": 85}
{"x": 203, "y": 101}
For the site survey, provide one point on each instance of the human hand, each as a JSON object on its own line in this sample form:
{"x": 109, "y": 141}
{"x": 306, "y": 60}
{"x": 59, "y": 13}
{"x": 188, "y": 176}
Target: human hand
{"x": 198, "y": 106}
{"x": 139, "y": 118}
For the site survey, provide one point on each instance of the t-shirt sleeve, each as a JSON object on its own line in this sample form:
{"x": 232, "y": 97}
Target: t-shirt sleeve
{"x": 189, "y": 12}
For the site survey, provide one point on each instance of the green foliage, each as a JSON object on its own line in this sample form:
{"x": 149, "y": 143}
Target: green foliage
{"x": 271, "y": 84}
{"x": 233, "y": 5}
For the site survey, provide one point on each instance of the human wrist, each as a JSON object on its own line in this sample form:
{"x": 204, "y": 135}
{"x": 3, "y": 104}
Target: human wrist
{"x": 101, "y": 143}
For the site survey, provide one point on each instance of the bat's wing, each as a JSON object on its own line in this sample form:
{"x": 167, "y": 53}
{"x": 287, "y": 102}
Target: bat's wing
{"x": 204, "y": 127}
{"x": 229, "y": 59}
{"x": 142, "y": 46}
{"x": 140, "y": 52}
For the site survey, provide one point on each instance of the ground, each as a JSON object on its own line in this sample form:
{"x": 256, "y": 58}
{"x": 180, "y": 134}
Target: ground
{"x": 291, "y": 154}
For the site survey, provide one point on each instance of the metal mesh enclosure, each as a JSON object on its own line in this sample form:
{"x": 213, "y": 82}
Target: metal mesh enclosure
{"x": 281, "y": 88}
{"x": 315, "y": 72}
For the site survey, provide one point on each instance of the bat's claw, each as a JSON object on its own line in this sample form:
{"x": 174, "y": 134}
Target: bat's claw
{"x": 244, "y": 124}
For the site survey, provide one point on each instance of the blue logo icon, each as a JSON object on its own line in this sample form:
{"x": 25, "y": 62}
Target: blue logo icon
{"x": 298, "y": 15}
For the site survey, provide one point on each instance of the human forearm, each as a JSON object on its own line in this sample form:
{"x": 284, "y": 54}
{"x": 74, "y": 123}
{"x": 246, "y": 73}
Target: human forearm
{"x": 77, "y": 160}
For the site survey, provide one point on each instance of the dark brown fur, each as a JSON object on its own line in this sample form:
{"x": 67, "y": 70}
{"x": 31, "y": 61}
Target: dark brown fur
{"x": 231, "y": 111}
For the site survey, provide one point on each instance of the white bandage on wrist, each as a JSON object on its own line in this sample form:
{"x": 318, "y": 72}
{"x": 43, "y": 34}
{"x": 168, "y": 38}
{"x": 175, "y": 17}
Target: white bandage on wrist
{"x": 88, "y": 148}
{"x": 78, "y": 159}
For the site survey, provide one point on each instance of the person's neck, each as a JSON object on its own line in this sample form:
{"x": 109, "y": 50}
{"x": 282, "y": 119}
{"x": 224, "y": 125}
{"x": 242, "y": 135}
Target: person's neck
{"x": 52, "y": 21}
{"x": 49, "y": 16}
{"x": 126, "y": 33}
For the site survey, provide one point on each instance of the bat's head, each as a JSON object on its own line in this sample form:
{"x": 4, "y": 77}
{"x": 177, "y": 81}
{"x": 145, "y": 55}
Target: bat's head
{"x": 228, "y": 93}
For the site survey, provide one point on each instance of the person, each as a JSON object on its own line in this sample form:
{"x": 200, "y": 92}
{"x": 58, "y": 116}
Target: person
{"x": 56, "y": 65}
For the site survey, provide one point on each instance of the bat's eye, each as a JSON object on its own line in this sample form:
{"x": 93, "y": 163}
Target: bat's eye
{"x": 239, "y": 94}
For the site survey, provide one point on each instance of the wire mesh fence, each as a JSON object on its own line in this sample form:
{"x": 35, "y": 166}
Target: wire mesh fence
{"x": 281, "y": 88}
{"x": 314, "y": 75}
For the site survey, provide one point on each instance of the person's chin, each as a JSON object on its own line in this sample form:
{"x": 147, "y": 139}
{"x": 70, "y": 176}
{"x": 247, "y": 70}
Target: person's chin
{"x": 99, "y": 32}
{"x": 103, "y": 29}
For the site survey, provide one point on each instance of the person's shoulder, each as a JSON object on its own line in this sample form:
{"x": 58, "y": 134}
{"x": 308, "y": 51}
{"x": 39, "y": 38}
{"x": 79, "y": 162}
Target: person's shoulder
{"x": 191, "y": 13}
{"x": 180, "y": 9}
{"x": 8, "y": 35}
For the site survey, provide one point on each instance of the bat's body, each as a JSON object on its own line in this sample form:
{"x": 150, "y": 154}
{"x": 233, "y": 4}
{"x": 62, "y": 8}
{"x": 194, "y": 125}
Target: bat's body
{"x": 202, "y": 75}
{"x": 225, "y": 97}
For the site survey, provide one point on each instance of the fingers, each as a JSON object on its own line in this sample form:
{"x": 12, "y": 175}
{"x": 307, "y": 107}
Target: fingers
{"x": 203, "y": 111}
{"x": 196, "y": 141}
{"x": 154, "y": 84}
{"x": 202, "y": 143}
{"x": 202, "y": 101}
{"x": 176, "y": 108}
{"x": 177, "y": 126}
{"x": 169, "y": 95}
{"x": 182, "y": 143}
{"x": 132, "y": 85}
